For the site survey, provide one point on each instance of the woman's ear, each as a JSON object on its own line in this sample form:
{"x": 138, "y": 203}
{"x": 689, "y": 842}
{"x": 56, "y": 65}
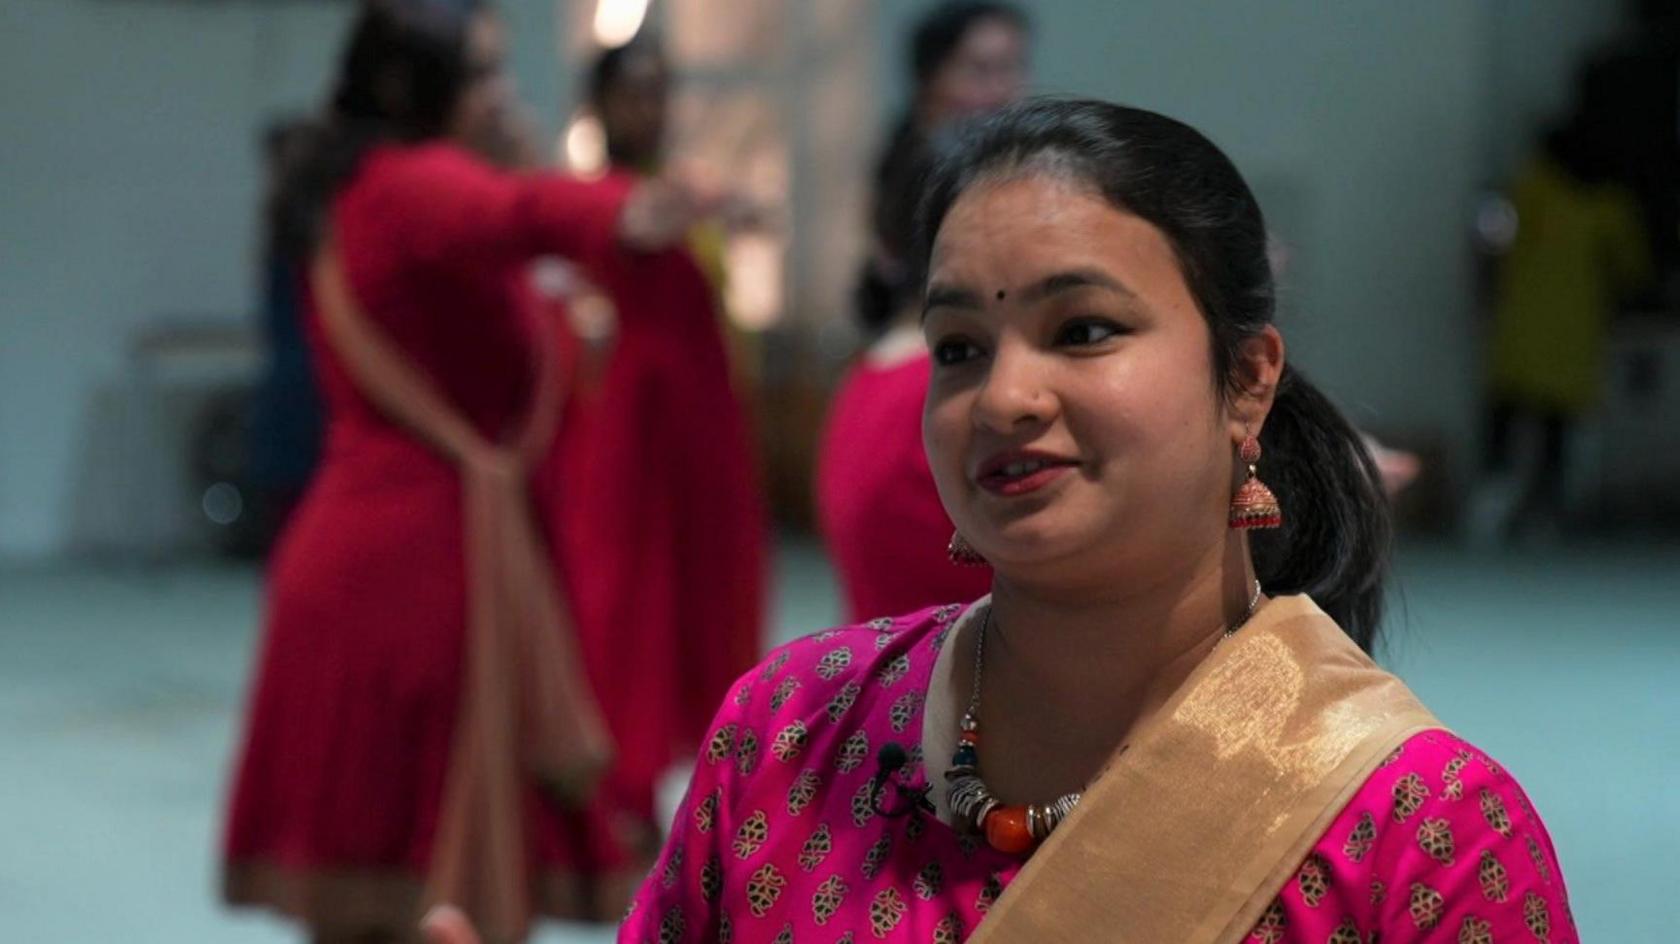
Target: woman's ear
{"x": 1254, "y": 381}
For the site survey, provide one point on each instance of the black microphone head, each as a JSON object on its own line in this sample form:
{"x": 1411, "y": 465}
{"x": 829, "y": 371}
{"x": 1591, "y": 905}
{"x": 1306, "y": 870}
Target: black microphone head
{"x": 892, "y": 757}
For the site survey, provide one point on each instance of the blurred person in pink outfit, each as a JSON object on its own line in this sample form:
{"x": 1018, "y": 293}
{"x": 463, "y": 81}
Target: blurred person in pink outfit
{"x": 877, "y": 508}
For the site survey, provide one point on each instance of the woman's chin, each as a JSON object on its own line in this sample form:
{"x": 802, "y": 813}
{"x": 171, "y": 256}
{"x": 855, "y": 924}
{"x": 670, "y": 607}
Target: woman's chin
{"x": 1031, "y": 549}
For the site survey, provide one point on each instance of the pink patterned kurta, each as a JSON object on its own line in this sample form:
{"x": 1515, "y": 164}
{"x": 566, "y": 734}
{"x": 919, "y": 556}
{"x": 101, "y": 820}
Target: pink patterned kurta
{"x": 778, "y": 840}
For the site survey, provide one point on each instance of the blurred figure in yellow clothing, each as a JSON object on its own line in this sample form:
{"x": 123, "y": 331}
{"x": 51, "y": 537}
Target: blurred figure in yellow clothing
{"x": 1579, "y": 250}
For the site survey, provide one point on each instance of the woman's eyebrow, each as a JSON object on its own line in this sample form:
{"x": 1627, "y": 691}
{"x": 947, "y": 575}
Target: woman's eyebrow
{"x": 947, "y": 296}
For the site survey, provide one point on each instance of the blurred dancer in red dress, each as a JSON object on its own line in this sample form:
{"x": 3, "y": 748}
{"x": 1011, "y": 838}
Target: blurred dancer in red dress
{"x": 655, "y": 490}
{"x": 419, "y": 726}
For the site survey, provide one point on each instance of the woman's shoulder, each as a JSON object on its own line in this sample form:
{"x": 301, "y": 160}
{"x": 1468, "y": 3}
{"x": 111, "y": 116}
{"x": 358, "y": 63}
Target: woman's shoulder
{"x": 408, "y": 187}
{"x": 1438, "y": 772}
{"x": 830, "y": 693}
{"x": 1440, "y": 835}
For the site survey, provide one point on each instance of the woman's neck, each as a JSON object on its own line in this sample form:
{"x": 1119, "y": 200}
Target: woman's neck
{"x": 1068, "y": 681}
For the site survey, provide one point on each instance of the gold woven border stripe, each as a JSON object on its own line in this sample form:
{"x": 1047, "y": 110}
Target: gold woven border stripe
{"x": 1189, "y": 835}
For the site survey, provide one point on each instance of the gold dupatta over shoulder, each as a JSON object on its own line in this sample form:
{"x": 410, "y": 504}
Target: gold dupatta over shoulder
{"x": 526, "y": 709}
{"x": 1191, "y": 832}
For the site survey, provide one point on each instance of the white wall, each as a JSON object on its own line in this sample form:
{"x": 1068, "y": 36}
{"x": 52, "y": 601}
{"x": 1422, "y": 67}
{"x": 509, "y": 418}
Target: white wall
{"x": 128, "y": 183}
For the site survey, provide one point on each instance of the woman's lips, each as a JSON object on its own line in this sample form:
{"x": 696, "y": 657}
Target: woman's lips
{"x": 1020, "y": 474}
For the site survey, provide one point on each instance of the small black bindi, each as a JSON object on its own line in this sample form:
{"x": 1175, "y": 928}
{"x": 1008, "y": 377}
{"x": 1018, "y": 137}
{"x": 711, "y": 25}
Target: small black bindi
{"x": 1000, "y": 294}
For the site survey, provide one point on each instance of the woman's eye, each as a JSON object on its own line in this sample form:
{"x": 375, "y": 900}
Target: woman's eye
{"x": 954, "y": 351}
{"x": 1084, "y": 332}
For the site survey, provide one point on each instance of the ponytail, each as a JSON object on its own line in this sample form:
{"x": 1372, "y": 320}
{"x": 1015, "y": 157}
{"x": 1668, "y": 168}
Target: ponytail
{"x": 1335, "y": 538}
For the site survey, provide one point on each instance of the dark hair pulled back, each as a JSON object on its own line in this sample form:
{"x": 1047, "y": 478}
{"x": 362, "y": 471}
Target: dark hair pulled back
{"x": 402, "y": 71}
{"x": 1334, "y": 544}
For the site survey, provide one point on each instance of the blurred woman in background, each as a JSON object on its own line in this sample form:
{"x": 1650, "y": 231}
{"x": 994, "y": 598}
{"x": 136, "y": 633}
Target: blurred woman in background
{"x": 1579, "y": 252}
{"x": 419, "y": 728}
{"x": 656, "y": 503}
{"x": 876, "y": 503}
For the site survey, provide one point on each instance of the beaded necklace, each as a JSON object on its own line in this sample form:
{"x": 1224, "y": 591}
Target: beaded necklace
{"x": 1015, "y": 828}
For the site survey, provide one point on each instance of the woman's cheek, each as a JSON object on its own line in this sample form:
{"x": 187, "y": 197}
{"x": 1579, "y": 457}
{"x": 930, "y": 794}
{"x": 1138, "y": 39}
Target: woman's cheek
{"x": 942, "y": 435}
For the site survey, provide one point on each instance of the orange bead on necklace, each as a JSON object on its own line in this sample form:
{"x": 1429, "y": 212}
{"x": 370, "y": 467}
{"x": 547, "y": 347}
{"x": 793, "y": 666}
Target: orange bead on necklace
{"x": 1015, "y": 829}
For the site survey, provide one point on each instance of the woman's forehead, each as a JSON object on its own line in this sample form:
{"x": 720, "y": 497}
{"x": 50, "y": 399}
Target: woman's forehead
{"x": 1021, "y": 225}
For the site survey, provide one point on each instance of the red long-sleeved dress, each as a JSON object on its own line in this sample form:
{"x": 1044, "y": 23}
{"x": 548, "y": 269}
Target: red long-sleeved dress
{"x": 659, "y": 515}
{"x": 354, "y": 702}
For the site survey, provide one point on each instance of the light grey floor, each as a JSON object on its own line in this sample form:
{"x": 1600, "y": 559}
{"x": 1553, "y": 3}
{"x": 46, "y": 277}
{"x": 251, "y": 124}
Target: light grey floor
{"x": 120, "y": 689}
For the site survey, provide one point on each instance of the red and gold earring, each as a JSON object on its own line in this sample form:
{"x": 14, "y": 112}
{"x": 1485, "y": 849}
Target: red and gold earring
{"x": 962, "y": 553}
{"x": 1254, "y": 505}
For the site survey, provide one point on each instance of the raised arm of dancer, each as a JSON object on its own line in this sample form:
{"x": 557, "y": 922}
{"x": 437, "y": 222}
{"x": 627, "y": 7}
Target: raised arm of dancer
{"x": 459, "y": 208}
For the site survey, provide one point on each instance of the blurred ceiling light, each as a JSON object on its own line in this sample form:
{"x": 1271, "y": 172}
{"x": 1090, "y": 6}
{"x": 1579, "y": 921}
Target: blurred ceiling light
{"x": 617, "y": 21}
{"x": 585, "y": 145}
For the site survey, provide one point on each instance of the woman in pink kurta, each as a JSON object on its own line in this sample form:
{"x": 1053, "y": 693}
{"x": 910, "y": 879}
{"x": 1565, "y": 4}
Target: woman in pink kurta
{"x": 782, "y": 837}
{"x": 1163, "y": 723}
